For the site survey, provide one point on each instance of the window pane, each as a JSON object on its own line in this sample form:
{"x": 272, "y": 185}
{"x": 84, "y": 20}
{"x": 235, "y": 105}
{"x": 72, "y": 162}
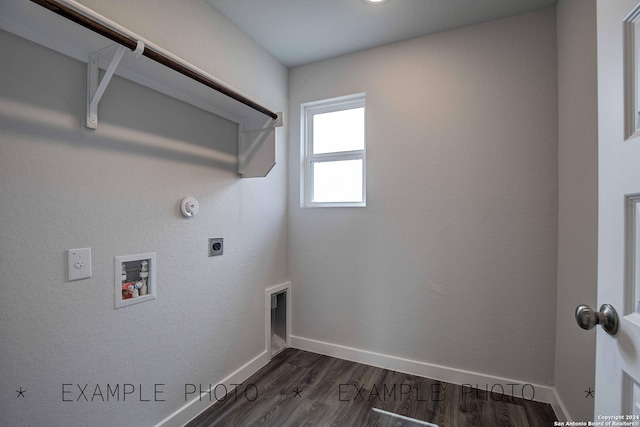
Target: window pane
{"x": 338, "y": 131}
{"x": 339, "y": 181}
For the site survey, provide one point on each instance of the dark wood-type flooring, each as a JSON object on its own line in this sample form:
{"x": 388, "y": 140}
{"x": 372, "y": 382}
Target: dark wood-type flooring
{"x": 300, "y": 388}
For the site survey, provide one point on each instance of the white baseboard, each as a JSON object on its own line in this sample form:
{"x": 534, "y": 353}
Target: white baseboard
{"x": 558, "y": 407}
{"x": 201, "y": 402}
{"x": 521, "y": 389}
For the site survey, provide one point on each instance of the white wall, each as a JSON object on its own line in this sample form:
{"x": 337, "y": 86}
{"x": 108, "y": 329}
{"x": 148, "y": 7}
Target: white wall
{"x": 453, "y": 261}
{"x": 117, "y": 190}
{"x": 578, "y": 202}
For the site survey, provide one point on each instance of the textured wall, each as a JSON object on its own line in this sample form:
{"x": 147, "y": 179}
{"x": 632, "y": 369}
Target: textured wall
{"x": 117, "y": 190}
{"x": 578, "y": 208}
{"x": 453, "y": 261}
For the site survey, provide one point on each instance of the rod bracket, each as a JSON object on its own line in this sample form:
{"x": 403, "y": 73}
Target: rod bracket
{"x": 95, "y": 90}
{"x": 139, "y": 49}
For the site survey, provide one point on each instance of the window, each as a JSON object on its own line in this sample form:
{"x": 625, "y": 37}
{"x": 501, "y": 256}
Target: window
{"x": 333, "y": 133}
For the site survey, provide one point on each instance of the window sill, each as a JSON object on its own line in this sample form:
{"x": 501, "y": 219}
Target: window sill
{"x": 335, "y": 205}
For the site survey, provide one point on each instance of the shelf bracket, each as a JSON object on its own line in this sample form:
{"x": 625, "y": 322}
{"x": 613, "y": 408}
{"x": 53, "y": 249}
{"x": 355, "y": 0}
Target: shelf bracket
{"x": 95, "y": 90}
{"x": 257, "y": 145}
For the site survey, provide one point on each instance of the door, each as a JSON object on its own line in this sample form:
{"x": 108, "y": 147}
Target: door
{"x": 618, "y": 357}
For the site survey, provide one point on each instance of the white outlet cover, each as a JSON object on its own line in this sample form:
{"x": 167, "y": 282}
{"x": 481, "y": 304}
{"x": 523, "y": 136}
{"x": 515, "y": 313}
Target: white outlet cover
{"x": 78, "y": 264}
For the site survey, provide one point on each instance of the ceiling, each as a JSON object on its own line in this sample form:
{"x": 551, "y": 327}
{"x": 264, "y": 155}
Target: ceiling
{"x": 302, "y": 31}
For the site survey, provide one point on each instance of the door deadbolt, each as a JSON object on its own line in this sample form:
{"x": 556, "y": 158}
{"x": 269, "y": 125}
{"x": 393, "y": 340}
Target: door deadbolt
{"x": 607, "y": 317}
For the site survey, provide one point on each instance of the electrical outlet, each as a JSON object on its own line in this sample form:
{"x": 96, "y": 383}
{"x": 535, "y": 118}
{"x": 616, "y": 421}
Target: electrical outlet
{"x": 78, "y": 264}
{"x": 216, "y": 246}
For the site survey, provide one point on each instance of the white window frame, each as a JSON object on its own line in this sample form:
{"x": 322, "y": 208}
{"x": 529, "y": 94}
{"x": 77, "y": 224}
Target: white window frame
{"x": 308, "y": 110}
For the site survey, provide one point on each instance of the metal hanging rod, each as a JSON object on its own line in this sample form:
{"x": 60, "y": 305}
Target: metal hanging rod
{"x": 155, "y": 55}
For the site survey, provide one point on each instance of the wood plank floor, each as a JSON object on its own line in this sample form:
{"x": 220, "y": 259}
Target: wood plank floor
{"x": 300, "y": 388}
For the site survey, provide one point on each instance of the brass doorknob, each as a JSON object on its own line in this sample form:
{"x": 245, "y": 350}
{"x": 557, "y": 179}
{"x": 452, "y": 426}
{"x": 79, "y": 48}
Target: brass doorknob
{"x": 607, "y": 317}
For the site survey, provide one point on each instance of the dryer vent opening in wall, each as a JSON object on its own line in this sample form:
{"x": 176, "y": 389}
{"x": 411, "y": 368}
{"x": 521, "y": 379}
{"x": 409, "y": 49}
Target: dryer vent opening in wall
{"x": 277, "y": 318}
{"x": 278, "y": 321}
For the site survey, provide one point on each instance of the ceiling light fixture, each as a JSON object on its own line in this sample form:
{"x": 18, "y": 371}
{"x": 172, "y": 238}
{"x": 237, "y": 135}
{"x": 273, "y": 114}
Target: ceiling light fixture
{"x": 374, "y": 1}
